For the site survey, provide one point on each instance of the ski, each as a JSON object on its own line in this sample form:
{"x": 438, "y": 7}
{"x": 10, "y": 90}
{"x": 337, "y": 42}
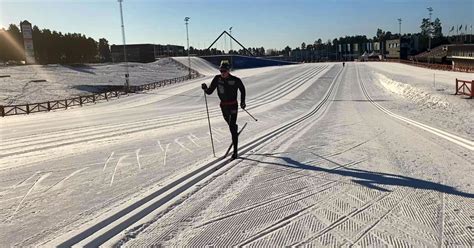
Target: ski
{"x": 231, "y": 144}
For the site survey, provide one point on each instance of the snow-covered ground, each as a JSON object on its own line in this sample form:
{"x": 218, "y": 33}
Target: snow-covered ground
{"x": 67, "y": 81}
{"x": 425, "y": 94}
{"x": 338, "y": 157}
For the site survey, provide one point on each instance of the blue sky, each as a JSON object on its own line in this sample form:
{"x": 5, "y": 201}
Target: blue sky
{"x": 268, "y": 23}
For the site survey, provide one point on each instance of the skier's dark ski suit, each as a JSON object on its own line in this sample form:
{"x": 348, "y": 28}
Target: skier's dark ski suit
{"x": 227, "y": 91}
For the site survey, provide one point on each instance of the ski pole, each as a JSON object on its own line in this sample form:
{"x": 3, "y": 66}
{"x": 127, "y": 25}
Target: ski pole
{"x": 250, "y": 115}
{"x": 209, "y": 121}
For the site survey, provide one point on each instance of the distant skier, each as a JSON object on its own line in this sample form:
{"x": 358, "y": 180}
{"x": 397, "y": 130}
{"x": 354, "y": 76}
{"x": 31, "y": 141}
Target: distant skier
{"x": 343, "y": 64}
{"x": 227, "y": 86}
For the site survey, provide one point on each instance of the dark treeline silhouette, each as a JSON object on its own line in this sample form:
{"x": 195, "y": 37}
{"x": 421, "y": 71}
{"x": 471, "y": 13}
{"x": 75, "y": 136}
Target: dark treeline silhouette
{"x": 11, "y": 46}
{"x": 52, "y": 47}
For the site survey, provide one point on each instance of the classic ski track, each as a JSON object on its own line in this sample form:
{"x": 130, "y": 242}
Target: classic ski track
{"x": 295, "y": 71}
{"x": 369, "y": 225}
{"x": 437, "y": 226}
{"x": 324, "y": 184}
{"x": 322, "y": 104}
{"x": 111, "y": 226}
{"x": 128, "y": 128}
{"x": 440, "y": 133}
{"x": 172, "y": 117}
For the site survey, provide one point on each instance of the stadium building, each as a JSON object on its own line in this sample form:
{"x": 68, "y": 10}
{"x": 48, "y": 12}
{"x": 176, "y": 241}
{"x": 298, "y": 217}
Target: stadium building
{"x": 145, "y": 53}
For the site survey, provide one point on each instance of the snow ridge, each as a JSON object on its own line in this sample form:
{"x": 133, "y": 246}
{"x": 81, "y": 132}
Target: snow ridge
{"x": 414, "y": 94}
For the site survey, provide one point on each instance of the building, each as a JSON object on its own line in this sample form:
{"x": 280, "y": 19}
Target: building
{"x": 145, "y": 53}
{"x": 169, "y": 50}
{"x": 436, "y": 55}
{"x": 462, "y": 57}
{"x": 396, "y": 50}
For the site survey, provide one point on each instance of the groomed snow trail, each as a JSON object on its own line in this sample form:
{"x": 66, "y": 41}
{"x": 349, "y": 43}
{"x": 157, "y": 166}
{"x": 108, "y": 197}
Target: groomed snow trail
{"x": 325, "y": 165}
{"x": 129, "y": 146}
{"x": 351, "y": 175}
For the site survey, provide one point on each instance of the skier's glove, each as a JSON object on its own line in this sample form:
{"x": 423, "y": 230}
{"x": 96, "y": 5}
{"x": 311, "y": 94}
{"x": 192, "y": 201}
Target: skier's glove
{"x": 204, "y": 86}
{"x": 243, "y": 105}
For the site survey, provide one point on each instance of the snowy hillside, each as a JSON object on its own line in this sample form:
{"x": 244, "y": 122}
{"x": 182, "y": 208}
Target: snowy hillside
{"x": 66, "y": 81}
{"x": 426, "y": 94}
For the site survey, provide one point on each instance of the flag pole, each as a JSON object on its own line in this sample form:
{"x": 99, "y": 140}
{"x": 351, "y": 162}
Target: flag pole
{"x": 457, "y": 34}
{"x": 470, "y": 36}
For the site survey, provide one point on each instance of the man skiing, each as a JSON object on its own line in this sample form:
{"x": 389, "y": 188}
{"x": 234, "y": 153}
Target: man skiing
{"x": 227, "y": 86}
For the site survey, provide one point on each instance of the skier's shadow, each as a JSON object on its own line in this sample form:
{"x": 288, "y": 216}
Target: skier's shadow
{"x": 369, "y": 179}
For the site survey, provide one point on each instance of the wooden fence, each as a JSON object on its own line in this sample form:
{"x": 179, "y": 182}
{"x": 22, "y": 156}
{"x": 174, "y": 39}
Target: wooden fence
{"x": 25, "y": 109}
{"x": 463, "y": 88}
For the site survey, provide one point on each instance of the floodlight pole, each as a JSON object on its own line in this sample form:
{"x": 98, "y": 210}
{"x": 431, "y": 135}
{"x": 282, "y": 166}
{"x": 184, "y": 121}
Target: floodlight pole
{"x": 230, "y": 55}
{"x": 230, "y": 31}
{"x": 400, "y": 42}
{"x": 429, "y": 43}
{"x": 127, "y": 75}
{"x": 186, "y": 19}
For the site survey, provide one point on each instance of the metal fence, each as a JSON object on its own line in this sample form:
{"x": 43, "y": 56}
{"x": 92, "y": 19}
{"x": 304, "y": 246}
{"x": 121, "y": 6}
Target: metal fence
{"x": 25, "y": 109}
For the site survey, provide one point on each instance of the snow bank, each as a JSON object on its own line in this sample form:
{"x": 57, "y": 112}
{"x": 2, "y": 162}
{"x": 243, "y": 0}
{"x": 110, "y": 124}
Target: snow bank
{"x": 415, "y": 94}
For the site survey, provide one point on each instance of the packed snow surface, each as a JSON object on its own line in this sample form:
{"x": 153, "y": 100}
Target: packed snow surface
{"x": 352, "y": 156}
{"x": 39, "y": 83}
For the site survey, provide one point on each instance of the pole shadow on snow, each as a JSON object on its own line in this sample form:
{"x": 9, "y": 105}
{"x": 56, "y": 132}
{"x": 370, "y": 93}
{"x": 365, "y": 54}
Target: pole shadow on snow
{"x": 366, "y": 178}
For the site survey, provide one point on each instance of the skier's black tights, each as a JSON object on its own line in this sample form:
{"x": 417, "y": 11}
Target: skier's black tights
{"x": 230, "y": 116}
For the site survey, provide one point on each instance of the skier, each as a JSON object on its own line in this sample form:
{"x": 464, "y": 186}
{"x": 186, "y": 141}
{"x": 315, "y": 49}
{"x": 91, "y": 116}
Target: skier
{"x": 227, "y": 86}
{"x": 343, "y": 64}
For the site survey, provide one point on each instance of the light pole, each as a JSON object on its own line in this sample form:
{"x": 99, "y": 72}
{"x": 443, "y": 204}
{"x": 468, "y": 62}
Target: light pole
{"x": 430, "y": 31}
{"x": 400, "y": 42}
{"x": 186, "y": 19}
{"x": 127, "y": 75}
{"x": 230, "y": 39}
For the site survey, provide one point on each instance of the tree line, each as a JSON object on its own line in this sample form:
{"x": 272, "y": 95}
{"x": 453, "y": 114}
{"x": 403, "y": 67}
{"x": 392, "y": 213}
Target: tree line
{"x": 427, "y": 28}
{"x": 52, "y": 47}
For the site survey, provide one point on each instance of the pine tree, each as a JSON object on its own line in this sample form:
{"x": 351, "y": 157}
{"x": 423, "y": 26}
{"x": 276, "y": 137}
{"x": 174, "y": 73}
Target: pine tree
{"x": 104, "y": 50}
